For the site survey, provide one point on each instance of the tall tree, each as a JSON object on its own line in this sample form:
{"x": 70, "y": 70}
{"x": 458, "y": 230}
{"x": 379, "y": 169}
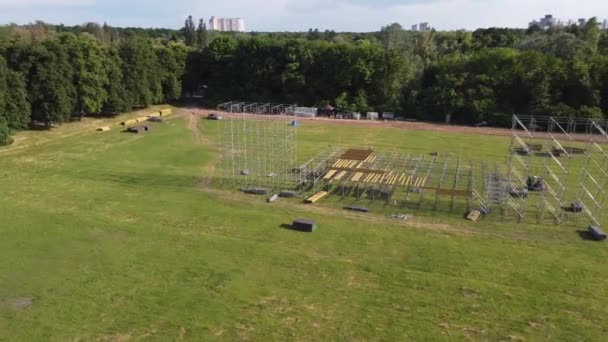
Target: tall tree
{"x": 90, "y": 78}
{"x": 202, "y": 34}
{"x": 17, "y": 106}
{"x": 116, "y": 100}
{"x": 140, "y": 67}
{"x": 49, "y": 75}
{"x": 190, "y": 32}
{"x": 591, "y": 33}
{"x": 5, "y": 132}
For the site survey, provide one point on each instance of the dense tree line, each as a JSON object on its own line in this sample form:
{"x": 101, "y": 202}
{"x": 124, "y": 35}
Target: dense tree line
{"x": 51, "y": 78}
{"x": 52, "y": 74}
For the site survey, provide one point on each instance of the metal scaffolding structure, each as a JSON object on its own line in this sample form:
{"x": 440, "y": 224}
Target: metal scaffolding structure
{"x": 594, "y": 175}
{"x": 546, "y": 156}
{"x": 258, "y": 152}
{"x": 556, "y": 170}
{"x": 419, "y": 181}
{"x": 257, "y": 108}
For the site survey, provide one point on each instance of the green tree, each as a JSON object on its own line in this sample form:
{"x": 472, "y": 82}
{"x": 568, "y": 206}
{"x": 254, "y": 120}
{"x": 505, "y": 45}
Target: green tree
{"x": 202, "y": 34}
{"x": 89, "y": 62}
{"x": 116, "y": 100}
{"x": 591, "y": 33}
{"x": 5, "y": 133}
{"x": 48, "y": 72}
{"x": 172, "y": 63}
{"x": 141, "y": 78}
{"x": 17, "y": 106}
{"x": 189, "y": 32}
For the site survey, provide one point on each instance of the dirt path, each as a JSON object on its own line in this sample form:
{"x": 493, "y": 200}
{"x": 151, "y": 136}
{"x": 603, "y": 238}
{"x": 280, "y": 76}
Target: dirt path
{"x": 417, "y": 126}
{"x": 195, "y": 129}
{"x": 421, "y": 126}
{"x": 200, "y": 139}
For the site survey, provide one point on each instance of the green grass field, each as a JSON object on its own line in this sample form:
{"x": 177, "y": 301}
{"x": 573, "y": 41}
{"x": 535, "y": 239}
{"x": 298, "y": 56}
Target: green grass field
{"x": 112, "y": 236}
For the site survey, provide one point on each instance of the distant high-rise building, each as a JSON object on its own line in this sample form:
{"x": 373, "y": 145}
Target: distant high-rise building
{"x": 548, "y": 21}
{"x": 227, "y": 24}
{"x": 545, "y": 23}
{"x": 421, "y": 27}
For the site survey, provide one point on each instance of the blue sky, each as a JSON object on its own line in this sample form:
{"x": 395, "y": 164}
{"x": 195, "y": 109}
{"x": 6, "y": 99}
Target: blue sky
{"x": 294, "y": 15}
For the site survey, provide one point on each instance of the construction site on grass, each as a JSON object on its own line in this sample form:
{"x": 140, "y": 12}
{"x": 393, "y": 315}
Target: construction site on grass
{"x": 555, "y": 171}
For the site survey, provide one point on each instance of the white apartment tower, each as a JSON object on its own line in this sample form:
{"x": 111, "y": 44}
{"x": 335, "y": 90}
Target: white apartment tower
{"x": 227, "y": 24}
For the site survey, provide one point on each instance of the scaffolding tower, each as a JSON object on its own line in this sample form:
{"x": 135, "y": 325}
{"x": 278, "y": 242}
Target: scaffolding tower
{"x": 258, "y": 152}
{"x": 594, "y": 175}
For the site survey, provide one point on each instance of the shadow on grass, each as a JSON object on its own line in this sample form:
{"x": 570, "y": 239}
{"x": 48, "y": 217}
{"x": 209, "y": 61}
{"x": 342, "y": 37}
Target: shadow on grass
{"x": 141, "y": 179}
{"x": 586, "y": 235}
{"x": 290, "y": 227}
{"x": 286, "y": 226}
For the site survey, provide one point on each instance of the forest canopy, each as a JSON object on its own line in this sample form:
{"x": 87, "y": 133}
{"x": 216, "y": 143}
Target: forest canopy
{"x": 50, "y": 74}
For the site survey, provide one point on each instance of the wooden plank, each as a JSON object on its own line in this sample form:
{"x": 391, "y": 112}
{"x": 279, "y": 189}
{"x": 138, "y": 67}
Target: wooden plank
{"x": 330, "y": 174}
{"x": 408, "y": 181}
{"x": 340, "y": 175}
{"x": 352, "y": 169}
{"x": 316, "y": 197}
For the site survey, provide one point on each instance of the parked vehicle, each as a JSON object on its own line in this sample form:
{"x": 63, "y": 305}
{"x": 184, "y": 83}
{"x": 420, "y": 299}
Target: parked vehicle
{"x": 214, "y": 116}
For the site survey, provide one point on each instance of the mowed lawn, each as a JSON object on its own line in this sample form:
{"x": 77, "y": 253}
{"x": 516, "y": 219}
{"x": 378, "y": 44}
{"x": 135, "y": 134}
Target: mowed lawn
{"x": 111, "y": 236}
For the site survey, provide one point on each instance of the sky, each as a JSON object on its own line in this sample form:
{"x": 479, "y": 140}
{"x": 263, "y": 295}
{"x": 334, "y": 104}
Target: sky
{"x": 300, "y": 15}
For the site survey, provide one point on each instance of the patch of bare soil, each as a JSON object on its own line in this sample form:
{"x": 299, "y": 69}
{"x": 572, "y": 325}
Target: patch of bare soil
{"x": 195, "y": 129}
{"x": 19, "y": 303}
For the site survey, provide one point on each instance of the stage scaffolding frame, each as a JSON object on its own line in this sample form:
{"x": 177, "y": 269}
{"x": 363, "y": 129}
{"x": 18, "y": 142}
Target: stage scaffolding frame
{"x": 439, "y": 176}
{"x": 558, "y": 150}
{"x": 258, "y": 152}
{"x": 569, "y": 155}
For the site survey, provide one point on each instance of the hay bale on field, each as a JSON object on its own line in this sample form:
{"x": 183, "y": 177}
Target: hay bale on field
{"x": 103, "y": 129}
{"x": 128, "y": 122}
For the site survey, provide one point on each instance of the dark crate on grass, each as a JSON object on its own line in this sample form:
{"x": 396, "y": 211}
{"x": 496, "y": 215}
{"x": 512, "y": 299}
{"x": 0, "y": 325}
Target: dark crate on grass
{"x": 357, "y": 208}
{"x": 256, "y": 191}
{"x": 304, "y": 225}
{"x": 596, "y": 233}
{"x": 288, "y": 194}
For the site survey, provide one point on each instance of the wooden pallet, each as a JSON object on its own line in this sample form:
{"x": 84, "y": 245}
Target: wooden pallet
{"x": 474, "y": 215}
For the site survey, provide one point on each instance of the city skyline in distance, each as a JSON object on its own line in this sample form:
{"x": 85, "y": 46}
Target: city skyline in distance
{"x": 300, "y": 15}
